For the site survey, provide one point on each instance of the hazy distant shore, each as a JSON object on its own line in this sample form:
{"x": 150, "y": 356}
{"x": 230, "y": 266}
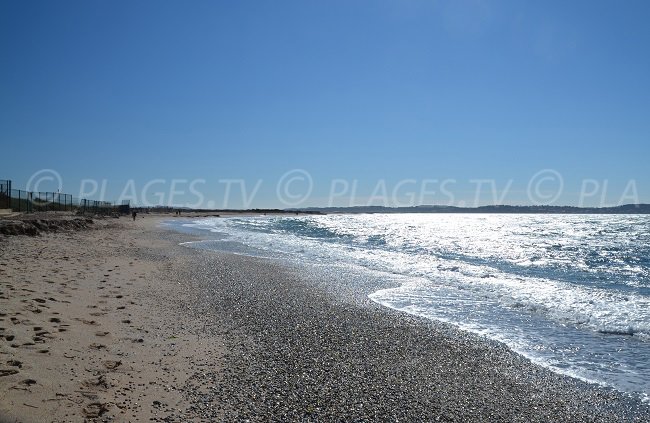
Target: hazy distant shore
{"x": 154, "y": 330}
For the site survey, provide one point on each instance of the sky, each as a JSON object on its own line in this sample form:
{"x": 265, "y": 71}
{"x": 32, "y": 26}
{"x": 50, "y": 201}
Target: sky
{"x": 327, "y": 103}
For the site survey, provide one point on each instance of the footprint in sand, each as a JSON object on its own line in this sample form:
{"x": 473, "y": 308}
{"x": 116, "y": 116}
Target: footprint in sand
{"x": 96, "y": 382}
{"x": 87, "y": 322}
{"x": 96, "y": 346}
{"x": 94, "y": 410}
{"x": 8, "y": 372}
{"x": 112, "y": 365}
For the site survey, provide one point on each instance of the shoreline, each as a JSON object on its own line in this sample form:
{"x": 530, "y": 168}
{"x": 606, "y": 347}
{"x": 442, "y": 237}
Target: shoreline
{"x": 220, "y": 336}
{"x": 328, "y": 357}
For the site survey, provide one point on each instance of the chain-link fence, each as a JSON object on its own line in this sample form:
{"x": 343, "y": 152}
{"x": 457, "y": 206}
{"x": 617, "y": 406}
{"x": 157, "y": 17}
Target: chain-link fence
{"x": 21, "y": 201}
{"x": 97, "y": 207}
{"x": 28, "y": 202}
{"x": 25, "y": 201}
{"x": 5, "y": 194}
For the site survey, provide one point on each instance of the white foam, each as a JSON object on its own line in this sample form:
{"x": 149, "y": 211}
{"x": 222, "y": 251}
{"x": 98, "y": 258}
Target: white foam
{"x": 489, "y": 276}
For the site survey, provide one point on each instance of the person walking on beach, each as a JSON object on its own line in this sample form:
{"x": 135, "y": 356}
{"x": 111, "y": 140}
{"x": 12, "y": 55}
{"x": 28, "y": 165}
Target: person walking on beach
{"x": 134, "y": 214}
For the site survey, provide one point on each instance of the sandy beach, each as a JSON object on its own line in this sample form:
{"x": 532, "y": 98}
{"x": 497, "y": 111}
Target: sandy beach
{"x": 115, "y": 321}
{"x": 90, "y": 328}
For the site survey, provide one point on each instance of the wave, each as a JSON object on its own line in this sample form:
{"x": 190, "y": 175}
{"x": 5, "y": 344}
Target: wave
{"x": 570, "y": 293}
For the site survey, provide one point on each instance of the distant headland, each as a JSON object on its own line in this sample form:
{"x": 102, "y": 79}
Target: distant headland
{"x": 623, "y": 209}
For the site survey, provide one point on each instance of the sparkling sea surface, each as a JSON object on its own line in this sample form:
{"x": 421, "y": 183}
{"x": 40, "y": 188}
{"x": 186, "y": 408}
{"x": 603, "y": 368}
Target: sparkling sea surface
{"x": 570, "y": 292}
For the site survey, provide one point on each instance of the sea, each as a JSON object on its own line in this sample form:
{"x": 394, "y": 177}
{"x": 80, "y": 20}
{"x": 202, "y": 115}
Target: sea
{"x": 569, "y": 292}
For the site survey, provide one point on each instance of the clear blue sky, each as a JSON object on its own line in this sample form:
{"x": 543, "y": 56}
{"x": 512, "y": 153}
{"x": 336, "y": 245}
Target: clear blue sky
{"x": 346, "y": 90}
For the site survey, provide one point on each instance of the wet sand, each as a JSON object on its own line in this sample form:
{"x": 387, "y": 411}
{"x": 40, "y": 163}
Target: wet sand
{"x": 118, "y": 322}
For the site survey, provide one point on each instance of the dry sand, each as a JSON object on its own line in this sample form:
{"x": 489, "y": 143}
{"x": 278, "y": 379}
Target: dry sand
{"x": 89, "y": 326}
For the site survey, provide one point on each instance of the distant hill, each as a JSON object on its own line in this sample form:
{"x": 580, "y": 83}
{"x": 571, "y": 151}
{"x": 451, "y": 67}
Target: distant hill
{"x": 624, "y": 209}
